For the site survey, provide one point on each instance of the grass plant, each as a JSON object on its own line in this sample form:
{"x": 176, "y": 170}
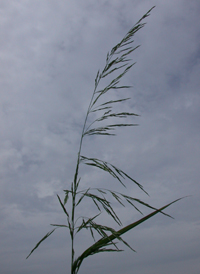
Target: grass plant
{"x": 118, "y": 63}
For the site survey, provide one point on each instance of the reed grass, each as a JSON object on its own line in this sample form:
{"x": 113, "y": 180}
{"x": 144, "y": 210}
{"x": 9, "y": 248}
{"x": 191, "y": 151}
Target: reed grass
{"x": 118, "y": 63}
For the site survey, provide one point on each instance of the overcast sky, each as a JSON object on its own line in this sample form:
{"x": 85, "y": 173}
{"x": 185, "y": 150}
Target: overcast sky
{"x": 50, "y": 53}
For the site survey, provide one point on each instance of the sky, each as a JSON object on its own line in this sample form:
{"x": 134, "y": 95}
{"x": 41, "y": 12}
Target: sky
{"x": 50, "y": 53}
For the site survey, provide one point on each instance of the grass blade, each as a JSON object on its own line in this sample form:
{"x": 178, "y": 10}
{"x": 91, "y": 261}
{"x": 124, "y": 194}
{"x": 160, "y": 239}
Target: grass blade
{"x": 105, "y": 240}
{"x": 44, "y": 238}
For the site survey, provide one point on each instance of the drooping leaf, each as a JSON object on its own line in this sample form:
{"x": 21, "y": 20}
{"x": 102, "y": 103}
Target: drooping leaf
{"x": 101, "y": 202}
{"x": 85, "y": 223}
{"x": 93, "y": 249}
{"x": 111, "y": 169}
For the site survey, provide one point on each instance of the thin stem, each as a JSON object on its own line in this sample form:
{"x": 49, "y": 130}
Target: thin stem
{"x": 74, "y": 190}
{"x": 72, "y": 229}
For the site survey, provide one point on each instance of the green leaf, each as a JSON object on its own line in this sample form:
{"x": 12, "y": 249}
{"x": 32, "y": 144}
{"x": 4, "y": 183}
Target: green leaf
{"x": 111, "y": 71}
{"x": 59, "y": 225}
{"x": 116, "y": 115}
{"x": 117, "y": 198}
{"x": 63, "y": 207}
{"x": 102, "y": 165}
{"x": 44, "y": 238}
{"x": 115, "y": 101}
{"x": 104, "y": 203}
{"x": 95, "y": 248}
{"x": 85, "y": 224}
{"x": 109, "y": 250}
{"x": 98, "y": 109}
{"x": 111, "y": 169}
{"x": 104, "y": 130}
{"x": 83, "y": 195}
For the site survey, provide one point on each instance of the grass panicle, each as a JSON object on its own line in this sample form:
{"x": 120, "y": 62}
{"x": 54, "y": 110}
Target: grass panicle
{"x": 118, "y": 64}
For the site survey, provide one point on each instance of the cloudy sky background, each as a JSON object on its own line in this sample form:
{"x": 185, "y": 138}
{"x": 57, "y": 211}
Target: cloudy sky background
{"x": 50, "y": 53}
